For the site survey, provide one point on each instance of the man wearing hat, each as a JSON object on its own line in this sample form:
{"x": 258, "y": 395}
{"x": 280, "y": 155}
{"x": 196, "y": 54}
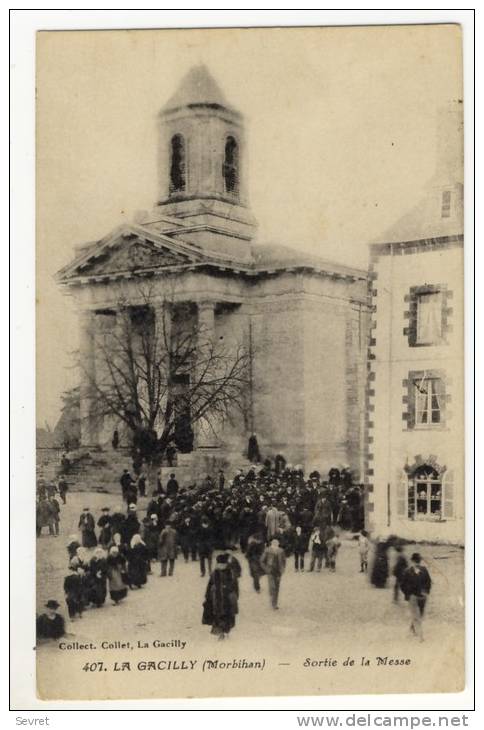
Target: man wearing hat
{"x": 127, "y": 483}
{"x": 75, "y": 588}
{"x": 416, "y": 585}
{"x": 50, "y": 625}
{"x": 63, "y": 488}
{"x": 172, "y": 486}
{"x": 104, "y": 522}
{"x": 117, "y": 520}
{"x": 167, "y": 548}
{"x": 151, "y": 536}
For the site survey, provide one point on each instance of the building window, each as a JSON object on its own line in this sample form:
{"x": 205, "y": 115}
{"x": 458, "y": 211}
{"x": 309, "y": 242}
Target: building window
{"x": 427, "y": 315}
{"x": 231, "y": 166}
{"x": 429, "y": 318}
{"x": 177, "y": 164}
{"x": 425, "y": 399}
{"x": 425, "y": 491}
{"x": 425, "y": 494}
{"x": 428, "y": 405}
{"x": 446, "y": 201}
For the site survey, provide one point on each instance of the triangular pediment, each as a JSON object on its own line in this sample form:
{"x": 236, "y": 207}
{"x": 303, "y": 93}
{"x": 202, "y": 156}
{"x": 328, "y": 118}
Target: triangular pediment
{"x": 132, "y": 255}
{"x": 130, "y": 250}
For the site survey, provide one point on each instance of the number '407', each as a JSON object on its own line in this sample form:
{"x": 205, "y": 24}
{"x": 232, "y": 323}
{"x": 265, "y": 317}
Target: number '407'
{"x": 94, "y": 667}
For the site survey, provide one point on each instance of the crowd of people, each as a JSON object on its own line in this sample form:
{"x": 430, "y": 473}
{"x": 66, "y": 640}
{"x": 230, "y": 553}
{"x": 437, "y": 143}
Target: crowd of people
{"x": 270, "y": 514}
{"x": 48, "y": 507}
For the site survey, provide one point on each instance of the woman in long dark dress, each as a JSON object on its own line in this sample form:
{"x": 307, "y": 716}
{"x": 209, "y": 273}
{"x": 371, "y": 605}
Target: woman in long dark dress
{"x": 98, "y": 578}
{"x": 117, "y": 578}
{"x": 138, "y": 561}
{"x": 86, "y": 526}
{"x": 131, "y": 525}
{"x": 221, "y": 605}
{"x": 379, "y": 573}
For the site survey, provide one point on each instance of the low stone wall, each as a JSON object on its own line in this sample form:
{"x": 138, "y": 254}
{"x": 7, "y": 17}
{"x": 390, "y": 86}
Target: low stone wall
{"x": 100, "y": 470}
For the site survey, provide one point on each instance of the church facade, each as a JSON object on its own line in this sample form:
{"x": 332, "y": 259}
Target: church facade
{"x": 304, "y": 320}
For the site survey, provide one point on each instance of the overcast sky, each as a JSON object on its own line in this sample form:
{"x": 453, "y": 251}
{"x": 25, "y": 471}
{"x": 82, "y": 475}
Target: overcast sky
{"x": 341, "y": 127}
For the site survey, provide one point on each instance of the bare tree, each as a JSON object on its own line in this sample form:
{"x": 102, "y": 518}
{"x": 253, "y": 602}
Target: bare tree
{"x": 160, "y": 372}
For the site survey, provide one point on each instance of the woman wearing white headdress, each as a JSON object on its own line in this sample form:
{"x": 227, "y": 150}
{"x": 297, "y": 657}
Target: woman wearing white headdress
{"x": 97, "y": 576}
{"x": 117, "y": 578}
{"x": 138, "y": 562}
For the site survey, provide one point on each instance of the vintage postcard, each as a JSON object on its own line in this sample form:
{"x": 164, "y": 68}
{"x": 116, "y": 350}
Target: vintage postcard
{"x": 250, "y": 429}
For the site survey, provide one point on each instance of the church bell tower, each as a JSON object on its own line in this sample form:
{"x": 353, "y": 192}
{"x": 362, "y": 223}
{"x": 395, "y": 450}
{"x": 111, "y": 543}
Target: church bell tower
{"x": 202, "y": 176}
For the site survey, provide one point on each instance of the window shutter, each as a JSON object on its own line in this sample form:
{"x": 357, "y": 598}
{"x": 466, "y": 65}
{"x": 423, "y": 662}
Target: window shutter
{"x": 411, "y": 396}
{"x": 412, "y": 319}
{"x": 448, "y": 495}
{"x": 402, "y": 488}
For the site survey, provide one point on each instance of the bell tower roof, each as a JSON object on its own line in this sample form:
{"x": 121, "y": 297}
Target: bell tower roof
{"x": 198, "y": 88}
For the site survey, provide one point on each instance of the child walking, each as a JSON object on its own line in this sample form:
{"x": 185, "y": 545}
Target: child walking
{"x": 300, "y": 548}
{"x": 363, "y": 548}
{"x": 317, "y": 550}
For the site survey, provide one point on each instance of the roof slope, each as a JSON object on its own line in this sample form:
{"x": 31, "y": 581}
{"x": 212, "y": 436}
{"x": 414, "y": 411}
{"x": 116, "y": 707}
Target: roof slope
{"x": 197, "y": 87}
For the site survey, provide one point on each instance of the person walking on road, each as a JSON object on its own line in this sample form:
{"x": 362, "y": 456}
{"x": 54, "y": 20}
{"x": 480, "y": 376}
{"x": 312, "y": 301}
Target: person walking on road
{"x": 167, "y": 548}
{"x": 416, "y": 585}
{"x": 221, "y": 605}
{"x": 401, "y": 565}
{"x": 273, "y": 561}
{"x": 255, "y": 549}
{"x": 63, "y": 488}
{"x": 86, "y": 526}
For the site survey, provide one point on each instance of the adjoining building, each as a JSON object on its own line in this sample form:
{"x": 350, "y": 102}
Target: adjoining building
{"x": 304, "y": 319}
{"x": 415, "y": 397}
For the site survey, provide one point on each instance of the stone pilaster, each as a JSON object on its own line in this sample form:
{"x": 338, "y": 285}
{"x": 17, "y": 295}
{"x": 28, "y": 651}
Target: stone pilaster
{"x": 163, "y": 325}
{"x": 204, "y": 435}
{"x": 87, "y": 357}
{"x": 206, "y": 320}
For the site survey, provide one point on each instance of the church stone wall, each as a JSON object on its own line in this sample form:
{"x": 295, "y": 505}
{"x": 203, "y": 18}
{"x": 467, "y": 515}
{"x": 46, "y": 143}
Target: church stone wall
{"x": 309, "y": 338}
{"x": 278, "y": 378}
{"x": 232, "y": 332}
{"x": 325, "y": 384}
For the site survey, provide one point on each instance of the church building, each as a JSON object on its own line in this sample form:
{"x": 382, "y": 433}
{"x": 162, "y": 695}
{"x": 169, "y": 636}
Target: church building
{"x": 303, "y": 319}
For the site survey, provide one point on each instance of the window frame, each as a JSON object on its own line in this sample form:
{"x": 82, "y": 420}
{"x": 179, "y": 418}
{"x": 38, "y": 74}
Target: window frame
{"x": 417, "y": 484}
{"x": 408, "y": 484}
{"x": 419, "y": 297}
{"x": 411, "y": 314}
{"x": 431, "y": 393}
{"x": 410, "y": 399}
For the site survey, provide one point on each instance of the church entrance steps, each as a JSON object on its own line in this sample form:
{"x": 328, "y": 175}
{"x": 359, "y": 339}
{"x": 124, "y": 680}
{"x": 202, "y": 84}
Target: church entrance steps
{"x": 100, "y": 469}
